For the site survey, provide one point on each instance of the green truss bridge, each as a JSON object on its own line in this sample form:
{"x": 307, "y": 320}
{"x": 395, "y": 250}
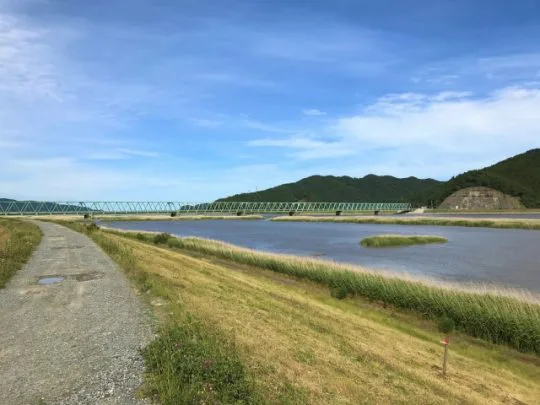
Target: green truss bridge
{"x": 162, "y": 207}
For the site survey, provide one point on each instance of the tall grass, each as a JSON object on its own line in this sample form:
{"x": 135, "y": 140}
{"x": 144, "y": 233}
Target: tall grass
{"x": 19, "y": 240}
{"x": 488, "y": 315}
{"x": 501, "y": 223}
{"x": 400, "y": 240}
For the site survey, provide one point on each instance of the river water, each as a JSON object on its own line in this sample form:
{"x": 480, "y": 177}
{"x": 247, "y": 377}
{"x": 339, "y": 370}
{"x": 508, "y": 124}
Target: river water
{"x": 504, "y": 257}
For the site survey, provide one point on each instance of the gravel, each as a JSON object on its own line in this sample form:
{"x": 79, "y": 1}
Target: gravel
{"x": 76, "y": 341}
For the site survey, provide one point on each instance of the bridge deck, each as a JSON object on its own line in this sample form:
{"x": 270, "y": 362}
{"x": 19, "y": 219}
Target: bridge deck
{"x": 162, "y": 207}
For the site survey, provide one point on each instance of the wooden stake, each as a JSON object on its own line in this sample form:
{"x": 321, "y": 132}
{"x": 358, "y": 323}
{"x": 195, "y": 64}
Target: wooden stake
{"x": 445, "y": 359}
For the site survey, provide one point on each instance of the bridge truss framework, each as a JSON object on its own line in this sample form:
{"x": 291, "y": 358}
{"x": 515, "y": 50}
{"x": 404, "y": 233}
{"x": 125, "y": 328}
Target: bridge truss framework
{"x": 162, "y": 207}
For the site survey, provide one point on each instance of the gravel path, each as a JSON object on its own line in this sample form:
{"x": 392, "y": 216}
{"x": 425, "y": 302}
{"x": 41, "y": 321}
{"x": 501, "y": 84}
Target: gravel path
{"x": 76, "y": 341}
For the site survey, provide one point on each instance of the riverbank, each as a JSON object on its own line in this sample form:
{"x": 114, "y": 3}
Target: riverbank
{"x": 501, "y": 223}
{"x": 501, "y": 309}
{"x": 380, "y": 241}
{"x": 18, "y": 239}
{"x": 295, "y": 340}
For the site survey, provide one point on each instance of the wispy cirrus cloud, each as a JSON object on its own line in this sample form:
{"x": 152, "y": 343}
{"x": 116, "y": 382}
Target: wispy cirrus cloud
{"x": 313, "y": 112}
{"x": 306, "y": 148}
{"x": 206, "y": 122}
{"x": 261, "y": 126}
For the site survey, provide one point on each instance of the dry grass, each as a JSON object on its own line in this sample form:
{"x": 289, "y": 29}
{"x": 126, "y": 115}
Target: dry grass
{"x": 3, "y": 235}
{"x": 504, "y": 223}
{"x": 18, "y": 239}
{"x": 337, "y": 352}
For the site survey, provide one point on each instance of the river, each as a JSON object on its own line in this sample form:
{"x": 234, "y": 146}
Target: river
{"x": 503, "y": 257}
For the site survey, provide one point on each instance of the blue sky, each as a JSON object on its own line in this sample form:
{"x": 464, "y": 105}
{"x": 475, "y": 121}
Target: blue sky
{"x": 193, "y": 100}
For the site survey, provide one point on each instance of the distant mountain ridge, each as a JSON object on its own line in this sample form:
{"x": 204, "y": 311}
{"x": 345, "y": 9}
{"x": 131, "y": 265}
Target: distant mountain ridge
{"x": 370, "y": 188}
{"x": 518, "y": 176}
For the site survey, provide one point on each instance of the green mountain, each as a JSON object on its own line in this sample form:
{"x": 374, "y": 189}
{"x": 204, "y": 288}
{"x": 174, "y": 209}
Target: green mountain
{"x": 10, "y": 206}
{"x": 370, "y": 188}
{"x": 518, "y": 176}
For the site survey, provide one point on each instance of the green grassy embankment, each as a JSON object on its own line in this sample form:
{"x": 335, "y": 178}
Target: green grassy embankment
{"x": 380, "y": 241}
{"x": 238, "y": 328}
{"x": 501, "y": 223}
{"x": 18, "y": 239}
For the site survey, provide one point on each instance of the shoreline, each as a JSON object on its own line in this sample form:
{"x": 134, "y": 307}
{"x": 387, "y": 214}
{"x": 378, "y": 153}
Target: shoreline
{"x": 501, "y": 223}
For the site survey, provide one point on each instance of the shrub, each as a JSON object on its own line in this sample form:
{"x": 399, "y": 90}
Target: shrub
{"x": 140, "y": 237}
{"x": 173, "y": 214}
{"x": 446, "y": 325}
{"x": 92, "y": 227}
{"x": 161, "y": 238}
{"x": 339, "y": 292}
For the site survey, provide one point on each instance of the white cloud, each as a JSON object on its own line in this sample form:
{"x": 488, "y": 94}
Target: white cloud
{"x": 430, "y": 127}
{"x": 447, "y": 121}
{"x": 313, "y": 112}
{"x": 27, "y": 70}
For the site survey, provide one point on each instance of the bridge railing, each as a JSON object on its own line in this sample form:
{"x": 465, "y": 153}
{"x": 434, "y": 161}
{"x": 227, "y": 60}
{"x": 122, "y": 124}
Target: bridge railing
{"x": 163, "y": 207}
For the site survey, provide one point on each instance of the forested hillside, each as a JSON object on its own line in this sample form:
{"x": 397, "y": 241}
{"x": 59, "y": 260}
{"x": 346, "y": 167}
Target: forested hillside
{"x": 370, "y": 188}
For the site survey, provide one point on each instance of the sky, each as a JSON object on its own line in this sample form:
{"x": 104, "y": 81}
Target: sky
{"x": 189, "y": 100}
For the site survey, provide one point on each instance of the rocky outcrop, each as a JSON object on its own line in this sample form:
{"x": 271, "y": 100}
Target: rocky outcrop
{"x": 480, "y": 198}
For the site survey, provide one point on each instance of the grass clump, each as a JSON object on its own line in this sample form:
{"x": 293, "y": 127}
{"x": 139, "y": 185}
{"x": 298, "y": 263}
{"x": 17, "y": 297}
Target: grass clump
{"x": 189, "y": 365}
{"x": 18, "y": 239}
{"x": 494, "y": 317}
{"x": 400, "y": 240}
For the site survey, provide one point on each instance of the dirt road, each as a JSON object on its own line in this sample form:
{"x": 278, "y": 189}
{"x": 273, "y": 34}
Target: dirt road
{"x": 75, "y": 341}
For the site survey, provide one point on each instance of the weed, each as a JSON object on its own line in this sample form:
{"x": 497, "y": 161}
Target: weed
{"x": 191, "y": 365}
